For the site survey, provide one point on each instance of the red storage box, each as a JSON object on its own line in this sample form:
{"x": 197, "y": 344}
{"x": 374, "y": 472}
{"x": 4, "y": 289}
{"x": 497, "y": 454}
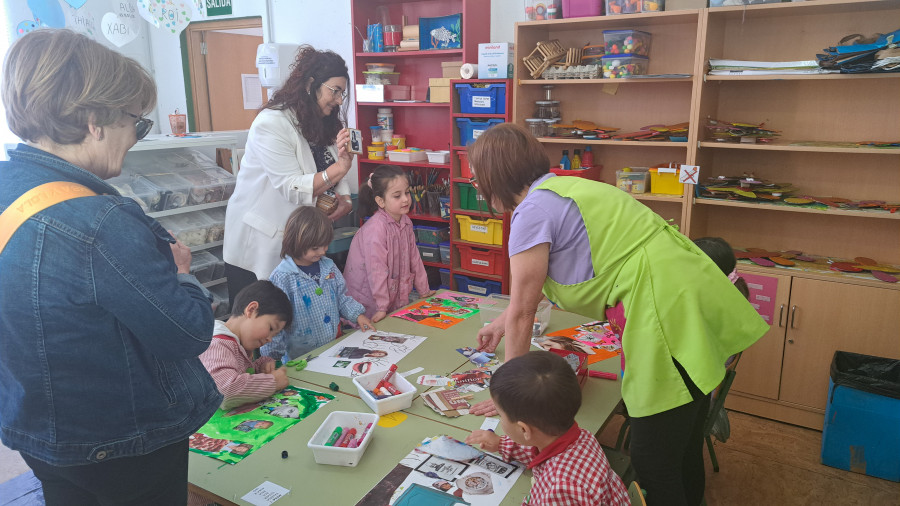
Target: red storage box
{"x": 581, "y": 8}
{"x": 592, "y": 173}
{"x": 482, "y": 260}
{"x": 464, "y": 170}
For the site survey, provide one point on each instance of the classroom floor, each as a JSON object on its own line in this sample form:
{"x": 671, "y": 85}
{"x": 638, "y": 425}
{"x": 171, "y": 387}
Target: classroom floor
{"x": 763, "y": 463}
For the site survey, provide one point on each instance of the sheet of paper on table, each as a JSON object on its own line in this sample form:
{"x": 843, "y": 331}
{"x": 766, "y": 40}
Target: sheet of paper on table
{"x": 364, "y": 352}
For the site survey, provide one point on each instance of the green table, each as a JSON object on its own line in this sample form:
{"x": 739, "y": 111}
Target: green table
{"x": 312, "y": 483}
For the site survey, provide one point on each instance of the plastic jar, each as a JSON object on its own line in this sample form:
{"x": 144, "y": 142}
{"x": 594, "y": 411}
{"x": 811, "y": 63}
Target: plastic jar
{"x": 399, "y": 140}
{"x": 376, "y": 133}
{"x": 385, "y": 118}
{"x": 535, "y": 126}
{"x": 543, "y": 108}
{"x": 554, "y": 109}
{"x": 376, "y": 151}
{"x": 549, "y": 131}
{"x": 387, "y": 137}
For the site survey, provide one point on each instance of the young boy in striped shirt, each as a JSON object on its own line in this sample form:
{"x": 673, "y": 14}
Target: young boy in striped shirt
{"x": 260, "y": 311}
{"x": 537, "y": 397}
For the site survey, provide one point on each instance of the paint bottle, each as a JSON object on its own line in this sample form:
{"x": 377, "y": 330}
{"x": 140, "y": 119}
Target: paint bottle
{"x": 587, "y": 159}
{"x": 385, "y": 119}
{"x": 564, "y": 163}
{"x": 576, "y": 160}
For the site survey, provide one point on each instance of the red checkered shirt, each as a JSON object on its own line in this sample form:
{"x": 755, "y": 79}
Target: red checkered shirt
{"x": 227, "y": 362}
{"x": 573, "y": 474}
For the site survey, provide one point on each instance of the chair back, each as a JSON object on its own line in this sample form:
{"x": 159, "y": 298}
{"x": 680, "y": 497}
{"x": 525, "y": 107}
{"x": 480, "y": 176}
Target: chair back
{"x": 717, "y": 402}
{"x": 636, "y": 495}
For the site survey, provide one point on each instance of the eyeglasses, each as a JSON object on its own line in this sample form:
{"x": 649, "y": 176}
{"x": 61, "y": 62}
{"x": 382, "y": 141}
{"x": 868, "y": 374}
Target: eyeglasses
{"x": 336, "y": 92}
{"x": 142, "y": 125}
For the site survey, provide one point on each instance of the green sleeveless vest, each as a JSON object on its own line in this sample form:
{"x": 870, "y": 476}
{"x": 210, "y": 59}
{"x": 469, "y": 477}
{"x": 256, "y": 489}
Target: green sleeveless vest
{"x": 677, "y": 302}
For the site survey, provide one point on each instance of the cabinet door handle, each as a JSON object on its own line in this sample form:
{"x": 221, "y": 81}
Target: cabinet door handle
{"x": 781, "y": 316}
{"x": 793, "y": 314}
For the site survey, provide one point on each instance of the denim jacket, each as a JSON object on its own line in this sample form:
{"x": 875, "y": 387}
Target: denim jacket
{"x": 99, "y": 339}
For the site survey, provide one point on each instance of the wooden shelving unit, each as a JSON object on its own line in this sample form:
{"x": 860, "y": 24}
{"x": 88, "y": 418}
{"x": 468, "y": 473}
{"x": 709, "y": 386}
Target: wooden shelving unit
{"x": 784, "y": 375}
{"x": 425, "y": 124}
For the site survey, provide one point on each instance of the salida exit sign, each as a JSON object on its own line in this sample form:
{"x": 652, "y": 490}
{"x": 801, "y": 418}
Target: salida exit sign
{"x": 218, "y": 7}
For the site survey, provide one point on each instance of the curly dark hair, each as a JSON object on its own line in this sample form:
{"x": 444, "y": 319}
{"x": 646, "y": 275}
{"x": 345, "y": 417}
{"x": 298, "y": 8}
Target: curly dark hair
{"x": 310, "y": 69}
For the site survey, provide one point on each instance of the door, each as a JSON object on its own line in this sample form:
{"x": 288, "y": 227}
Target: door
{"x": 222, "y": 72}
{"x": 757, "y": 372}
{"x": 826, "y": 316}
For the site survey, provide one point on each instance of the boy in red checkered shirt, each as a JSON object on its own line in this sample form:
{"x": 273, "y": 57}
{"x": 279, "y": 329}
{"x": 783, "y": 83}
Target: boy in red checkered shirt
{"x": 537, "y": 396}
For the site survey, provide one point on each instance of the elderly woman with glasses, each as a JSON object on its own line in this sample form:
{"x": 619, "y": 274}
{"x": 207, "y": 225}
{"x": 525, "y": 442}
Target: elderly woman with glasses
{"x": 297, "y": 155}
{"x": 101, "y": 324}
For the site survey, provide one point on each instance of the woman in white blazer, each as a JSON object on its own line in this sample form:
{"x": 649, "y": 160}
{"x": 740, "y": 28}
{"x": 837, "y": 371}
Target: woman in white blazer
{"x": 296, "y": 152}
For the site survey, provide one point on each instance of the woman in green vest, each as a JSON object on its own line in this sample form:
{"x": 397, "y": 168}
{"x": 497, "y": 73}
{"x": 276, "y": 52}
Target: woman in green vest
{"x": 594, "y": 250}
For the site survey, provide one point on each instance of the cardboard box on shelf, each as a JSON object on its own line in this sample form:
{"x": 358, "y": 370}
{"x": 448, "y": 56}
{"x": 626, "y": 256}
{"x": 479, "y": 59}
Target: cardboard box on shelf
{"x": 439, "y": 94}
{"x": 450, "y": 69}
{"x": 443, "y": 82}
{"x": 495, "y": 60}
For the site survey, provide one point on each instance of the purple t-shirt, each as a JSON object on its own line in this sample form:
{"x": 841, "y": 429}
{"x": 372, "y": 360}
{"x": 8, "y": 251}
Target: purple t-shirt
{"x": 544, "y": 216}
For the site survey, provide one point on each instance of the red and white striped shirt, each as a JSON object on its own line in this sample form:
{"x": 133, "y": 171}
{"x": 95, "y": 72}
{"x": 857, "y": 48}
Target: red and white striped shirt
{"x": 571, "y": 471}
{"x": 227, "y": 362}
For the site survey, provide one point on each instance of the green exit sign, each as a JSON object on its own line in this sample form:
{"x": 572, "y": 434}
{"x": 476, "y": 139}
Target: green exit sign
{"x": 218, "y": 7}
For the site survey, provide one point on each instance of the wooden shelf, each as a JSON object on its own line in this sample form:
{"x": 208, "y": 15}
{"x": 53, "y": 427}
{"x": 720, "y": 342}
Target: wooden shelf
{"x": 428, "y": 217}
{"x": 475, "y": 244}
{"x": 854, "y": 278}
{"x": 473, "y": 274}
{"x": 622, "y": 20}
{"x": 785, "y": 145}
{"x": 797, "y": 209}
{"x": 659, "y": 197}
{"x": 423, "y": 164}
{"x": 402, "y": 104}
{"x": 404, "y": 54}
{"x": 803, "y": 77}
{"x": 526, "y": 82}
{"x": 606, "y": 142}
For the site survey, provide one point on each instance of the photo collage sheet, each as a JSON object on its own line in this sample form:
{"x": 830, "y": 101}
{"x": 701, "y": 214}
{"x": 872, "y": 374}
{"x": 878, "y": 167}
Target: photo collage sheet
{"x": 442, "y": 311}
{"x": 364, "y": 352}
{"x": 444, "y": 471}
{"x": 596, "y": 339}
{"x": 232, "y": 435}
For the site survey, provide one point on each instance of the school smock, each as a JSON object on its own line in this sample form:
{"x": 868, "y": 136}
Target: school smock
{"x": 676, "y": 300}
{"x": 383, "y": 264}
{"x": 277, "y": 175}
{"x": 318, "y": 308}
{"x": 570, "y": 471}
{"x": 227, "y": 362}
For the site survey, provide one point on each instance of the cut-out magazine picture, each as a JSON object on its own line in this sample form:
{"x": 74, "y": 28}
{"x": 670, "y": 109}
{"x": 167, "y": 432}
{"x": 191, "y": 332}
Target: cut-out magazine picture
{"x": 444, "y": 471}
{"x": 436, "y": 312}
{"x": 594, "y": 338}
{"x": 233, "y": 434}
{"x": 364, "y": 352}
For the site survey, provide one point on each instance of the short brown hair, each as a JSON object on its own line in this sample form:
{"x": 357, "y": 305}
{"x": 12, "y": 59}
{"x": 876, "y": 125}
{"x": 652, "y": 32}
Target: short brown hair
{"x": 506, "y": 159}
{"x": 56, "y": 82}
{"x": 307, "y": 228}
{"x": 540, "y": 389}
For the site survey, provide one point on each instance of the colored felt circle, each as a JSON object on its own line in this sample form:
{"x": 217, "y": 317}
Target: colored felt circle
{"x": 883, "y": 276}
{"x": 765, "y": 262}
{"x": 844, "y": 267}
{"x": 782, "y": 261}
{"x": 865, "y": 261}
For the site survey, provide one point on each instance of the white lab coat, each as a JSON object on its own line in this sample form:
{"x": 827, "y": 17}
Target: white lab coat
{"x": 276, "y": 177}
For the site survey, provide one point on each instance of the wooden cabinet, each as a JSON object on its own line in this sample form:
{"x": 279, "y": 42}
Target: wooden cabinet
{"x": 784, "y": 375}
{"x": 812, "y": 318}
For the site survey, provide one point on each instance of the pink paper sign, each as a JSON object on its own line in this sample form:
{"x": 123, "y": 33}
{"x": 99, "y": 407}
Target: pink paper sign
{"x": 762, "y": 294}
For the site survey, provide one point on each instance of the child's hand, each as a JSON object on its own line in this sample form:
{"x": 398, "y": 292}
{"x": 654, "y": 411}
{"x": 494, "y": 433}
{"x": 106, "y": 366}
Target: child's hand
{"x": 487, "y": 439}
{"x": 268, "y": 367}
{"x": 377, "y": 317}
{"x": 281, "y": 379}
{"x": 365, "y": 323}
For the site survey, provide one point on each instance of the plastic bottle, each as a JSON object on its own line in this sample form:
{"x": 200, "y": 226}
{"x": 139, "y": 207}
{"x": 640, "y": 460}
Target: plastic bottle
{"x": 576, "y": 160}
{"x": 587, "y": 159}
{"x": 385, "y": 119}
{"x": 565, "y": 164}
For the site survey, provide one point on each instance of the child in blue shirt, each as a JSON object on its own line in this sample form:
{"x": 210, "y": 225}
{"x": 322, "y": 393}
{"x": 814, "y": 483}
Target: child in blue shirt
{"x": 314, "y": 285}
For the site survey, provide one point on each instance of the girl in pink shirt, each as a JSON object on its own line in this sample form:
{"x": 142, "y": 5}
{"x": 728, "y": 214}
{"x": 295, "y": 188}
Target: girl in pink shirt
{"x": 383, "y": 264}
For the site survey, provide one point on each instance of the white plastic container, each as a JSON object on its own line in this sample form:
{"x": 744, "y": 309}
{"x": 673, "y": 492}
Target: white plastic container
{"x": 407, "y": 156}
{"x": 438, "y": 156}
{"x": 393, "y": 403}
{"x": 342, "y": 456}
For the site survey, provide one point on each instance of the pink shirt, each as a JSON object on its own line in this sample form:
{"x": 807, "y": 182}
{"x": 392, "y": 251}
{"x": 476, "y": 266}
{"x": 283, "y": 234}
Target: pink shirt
{"x": 383, "y": 264}
{"x": 227, "y": 362}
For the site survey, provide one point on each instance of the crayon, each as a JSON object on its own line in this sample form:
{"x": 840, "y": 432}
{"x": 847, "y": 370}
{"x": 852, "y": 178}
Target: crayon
{"x": 347, "y": 437}
{"x": 386, "y": 385}
{"x": 388, "y": 374}
{"x": 354, "y": 443}
{"x": 341, "y": 439}
{"x": 365, "y": 432}
{"x": 604, "y": 375}
{"x": 334, "y": 436}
